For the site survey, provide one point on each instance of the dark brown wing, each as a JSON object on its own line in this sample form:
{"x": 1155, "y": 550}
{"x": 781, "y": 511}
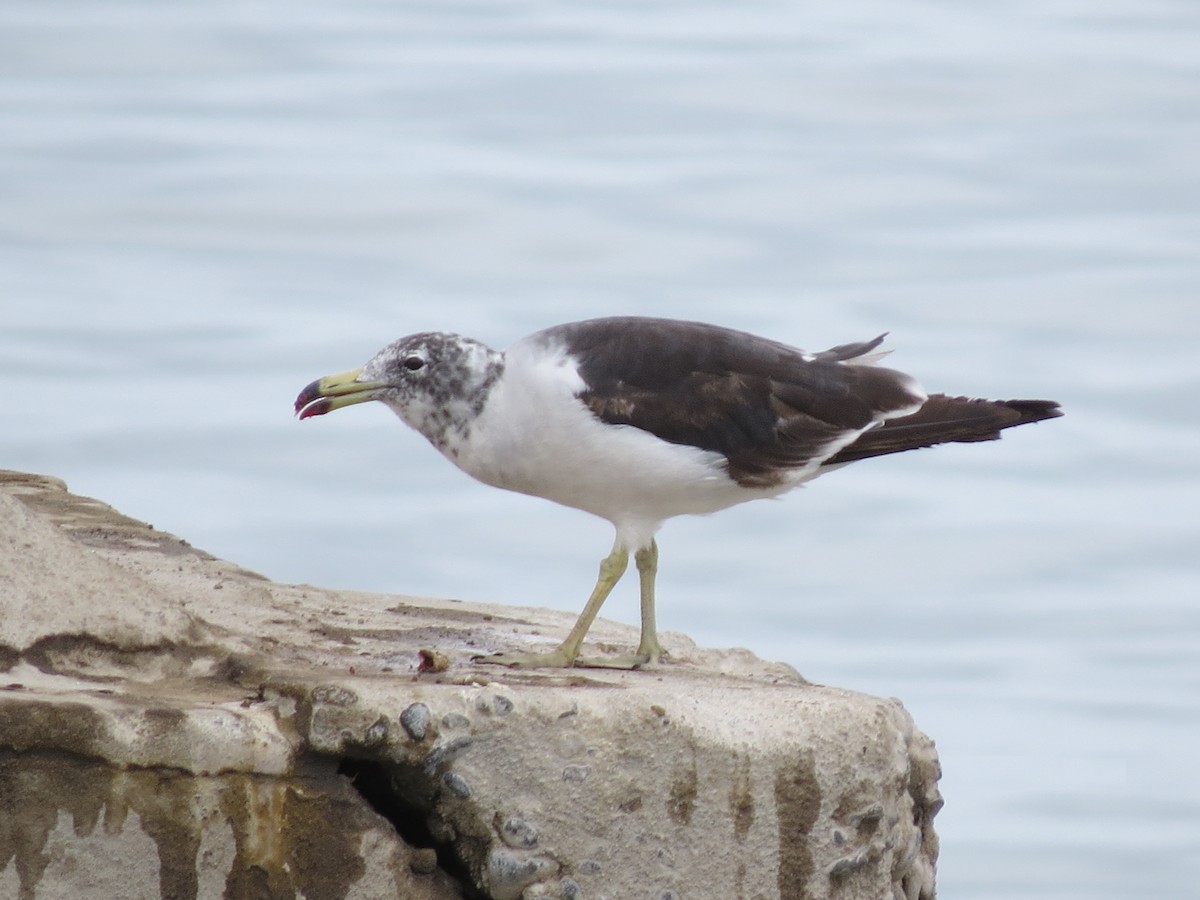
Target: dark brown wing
{"x": 765, "y": 406}
{"x": 946, "y": 419}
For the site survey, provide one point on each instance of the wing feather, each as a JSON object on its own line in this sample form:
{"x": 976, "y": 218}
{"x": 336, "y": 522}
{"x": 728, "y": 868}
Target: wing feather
{"x": 767, "y": 407}
{"x": 944, "y": 419}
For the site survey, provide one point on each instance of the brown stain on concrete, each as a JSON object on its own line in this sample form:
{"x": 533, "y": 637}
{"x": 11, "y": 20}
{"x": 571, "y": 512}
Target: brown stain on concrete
{"x": 36, "y": 787}
{"x": 27, "y": 819}
{"x": 291, "y": 839}
{"x": 741, "y": 810}
{"x": 292, "y": 836}
{"x": 38, "y": 726}
{"x": 741, "y": 799}
{"x": 681, "y": 803}
{"x": 797, "y": 806}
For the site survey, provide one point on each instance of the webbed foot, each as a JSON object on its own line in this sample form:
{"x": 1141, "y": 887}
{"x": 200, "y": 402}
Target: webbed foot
{"x": 554, "y": 659}
{"x": 561, "y": 659}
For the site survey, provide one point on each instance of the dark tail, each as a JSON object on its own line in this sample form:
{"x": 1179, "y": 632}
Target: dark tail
{"x": 946, "y": 419}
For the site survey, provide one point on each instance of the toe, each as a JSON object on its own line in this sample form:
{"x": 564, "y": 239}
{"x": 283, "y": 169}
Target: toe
{"x": 555, "y": 659}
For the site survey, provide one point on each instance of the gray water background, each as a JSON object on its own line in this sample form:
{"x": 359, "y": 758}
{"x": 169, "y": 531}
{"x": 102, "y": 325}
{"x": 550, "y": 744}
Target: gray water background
{"x": 205, "y": 206}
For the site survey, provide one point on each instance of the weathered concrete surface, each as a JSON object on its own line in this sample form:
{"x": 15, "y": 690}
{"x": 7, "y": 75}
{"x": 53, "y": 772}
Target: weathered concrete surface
{"x": 174, "y": 726}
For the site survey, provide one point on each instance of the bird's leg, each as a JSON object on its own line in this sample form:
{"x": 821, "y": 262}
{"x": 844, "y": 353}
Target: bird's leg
{"x": 649, "y": 651}
{"x": 612, "y": 567}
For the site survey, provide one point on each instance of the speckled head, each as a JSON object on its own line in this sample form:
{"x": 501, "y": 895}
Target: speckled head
{"x": 436, "y": 382}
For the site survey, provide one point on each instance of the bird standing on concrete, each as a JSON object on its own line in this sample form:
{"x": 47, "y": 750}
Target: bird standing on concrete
{"x": 637, "y": 420}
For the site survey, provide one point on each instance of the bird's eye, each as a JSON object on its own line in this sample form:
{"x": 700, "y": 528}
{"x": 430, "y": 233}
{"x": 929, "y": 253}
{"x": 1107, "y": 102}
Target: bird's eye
{"x": 412, "y": 363}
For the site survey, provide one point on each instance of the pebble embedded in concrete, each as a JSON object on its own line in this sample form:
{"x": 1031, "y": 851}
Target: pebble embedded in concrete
{"x": 415, "y": 721}
{"x": 334, "y": 695}
{"x": 576, "y": 773}
{"x": 451, "y": 721}
{"x": 457, "y": 785}
{"x": 507, "y": 875}
{"x": 446, "y": 752}
{"x": 516, "y": 832}
{"x": 501, "y": 705}
{"x": 424, "y": 861}
{"x": 376, "y": 733}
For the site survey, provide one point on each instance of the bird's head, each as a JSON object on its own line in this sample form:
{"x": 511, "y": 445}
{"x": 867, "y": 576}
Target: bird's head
{"x": 431, "y": 380}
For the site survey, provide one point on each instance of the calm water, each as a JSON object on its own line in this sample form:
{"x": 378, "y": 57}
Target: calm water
{"x": 204, "y": 207}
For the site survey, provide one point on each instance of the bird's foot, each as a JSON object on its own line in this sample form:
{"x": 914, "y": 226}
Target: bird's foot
{"x": 554, "y": 659}
{"x": 649, "y": 653}
{"x": 561, "y": 659}
{"x": 619, "y": 661}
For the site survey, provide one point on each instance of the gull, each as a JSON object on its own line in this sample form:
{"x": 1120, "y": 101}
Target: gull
{"x": 637, "y": 420}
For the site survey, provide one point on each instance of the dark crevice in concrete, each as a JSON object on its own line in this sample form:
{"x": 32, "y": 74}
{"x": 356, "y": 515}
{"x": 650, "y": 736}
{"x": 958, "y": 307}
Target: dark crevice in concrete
{"x": 376, "y": 784}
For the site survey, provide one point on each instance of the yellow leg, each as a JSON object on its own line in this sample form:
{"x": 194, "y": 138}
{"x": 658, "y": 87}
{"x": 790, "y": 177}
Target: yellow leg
{"x": 649, "y": 650}
{"x": 612, "y": 567}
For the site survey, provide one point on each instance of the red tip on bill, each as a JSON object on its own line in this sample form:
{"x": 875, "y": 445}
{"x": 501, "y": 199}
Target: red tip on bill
{"x": 310, "y": 402}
